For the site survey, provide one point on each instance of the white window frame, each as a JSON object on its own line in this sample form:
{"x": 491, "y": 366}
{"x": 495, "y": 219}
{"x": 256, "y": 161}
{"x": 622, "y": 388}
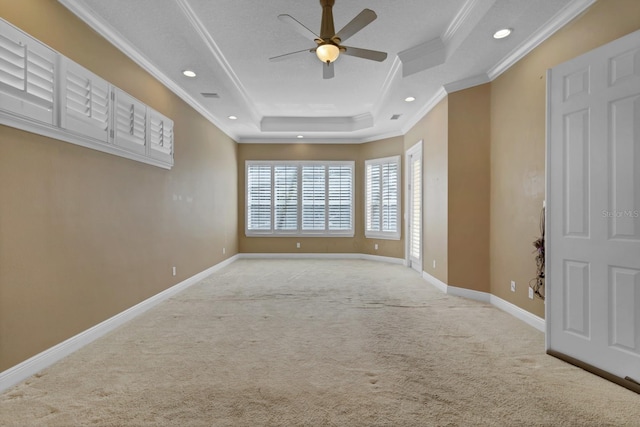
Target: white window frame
{"x": 380, "y": 234}
{"x": 299, "y": 232}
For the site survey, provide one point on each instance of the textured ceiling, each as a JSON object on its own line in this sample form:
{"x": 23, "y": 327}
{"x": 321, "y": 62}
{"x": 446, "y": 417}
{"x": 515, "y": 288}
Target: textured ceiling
{"x": 433, "y": 46}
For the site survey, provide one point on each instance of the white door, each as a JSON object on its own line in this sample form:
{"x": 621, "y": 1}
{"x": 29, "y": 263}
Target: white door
{"x": 593, "y": 209}
{"x": 414, "y": 206}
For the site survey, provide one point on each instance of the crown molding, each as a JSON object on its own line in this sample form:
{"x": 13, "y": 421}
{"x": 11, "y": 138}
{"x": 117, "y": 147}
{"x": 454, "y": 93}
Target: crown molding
{"x": 440, "y": 94}
{"x": 559, "y": 20}
{"x": 467, "y": 83}
{"x": 121, "y": 43}
{"x": 208, "y": 40}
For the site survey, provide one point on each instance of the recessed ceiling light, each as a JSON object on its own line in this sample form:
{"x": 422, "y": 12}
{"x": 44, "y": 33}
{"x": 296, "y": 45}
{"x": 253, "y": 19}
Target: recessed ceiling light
{"x": 189, "y": 73}
{"x": 300, "y": 136}
{"x": 232, "y": 118}
{"x": 500, "y": 34}
{"x": 410, "y": 99}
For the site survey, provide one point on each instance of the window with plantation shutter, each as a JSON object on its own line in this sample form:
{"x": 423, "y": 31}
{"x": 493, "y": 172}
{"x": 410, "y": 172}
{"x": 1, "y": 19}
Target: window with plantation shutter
{"x": 299, "y": 198}
{"x": 129, "y": 122}
{"x": 340, "y": 198}
{"x": 313, "y": 198}
{"x": 259, "y": 197}
{"x": 86, "y": 105}
{"x": 286, "y": 198}
{"x": 160, "y": 130}
{"x": 27, "y": 75}
{"x": 382, "y": 198}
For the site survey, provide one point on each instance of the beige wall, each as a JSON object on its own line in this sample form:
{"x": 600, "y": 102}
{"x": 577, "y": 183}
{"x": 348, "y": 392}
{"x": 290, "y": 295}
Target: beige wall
{"x": 85, "y": 235}
{"x": 518, "y": 143}
{"x": 469, "y": 188}
{"x": 355, "y": 152}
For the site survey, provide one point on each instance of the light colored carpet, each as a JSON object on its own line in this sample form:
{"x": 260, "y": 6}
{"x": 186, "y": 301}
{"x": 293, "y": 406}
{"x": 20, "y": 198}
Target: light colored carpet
{"x": 318, "y": 343}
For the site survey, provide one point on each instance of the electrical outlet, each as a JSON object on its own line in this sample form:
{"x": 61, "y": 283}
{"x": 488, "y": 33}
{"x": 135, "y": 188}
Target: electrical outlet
{"x": 173, "y": 270}
{"x": 530, "y": 292}
{"x": 224, "y": 251}
{"x": 375, "y": 246}
{"x": 434, "y": 264}
{"x": 298, "y": 245}
{"x": 513, "y": 286}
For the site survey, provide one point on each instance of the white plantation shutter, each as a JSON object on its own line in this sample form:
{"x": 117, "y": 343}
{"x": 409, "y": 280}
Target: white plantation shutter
{"x": 86, "y": 102}
{"x": 258, "y": 197}
{"x": 390, "y": 192}
{"x": 129, "y": 122}
{"x": 313, "y": 197}
{"x": 286, "y": 197}
{"x": 27, "y": 75}
{"x": 160, "y": 130}
{"x": 299, "y": 198}
{"x": 416, "y": 208}
{"x": 373, "y": 205}
{"x": 382, "y": 198}
{"x": 340, "y": 197}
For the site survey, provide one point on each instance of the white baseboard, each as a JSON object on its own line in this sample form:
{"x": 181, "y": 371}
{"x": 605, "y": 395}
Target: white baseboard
{"x": 529, "y": 318}
{"x": 40, "y": 361}
{"x": 517, "y": 312}
{"x": 378, "y": 258}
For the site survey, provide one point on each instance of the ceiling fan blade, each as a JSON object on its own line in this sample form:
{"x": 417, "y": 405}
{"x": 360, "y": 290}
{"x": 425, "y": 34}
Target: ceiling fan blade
{"x": 288, "y": 55}
{"x": 298, "y": 26}
{"x": 327, "y": 71}
{"x": 363, "y": 19}
{"x": 373, "y": 55}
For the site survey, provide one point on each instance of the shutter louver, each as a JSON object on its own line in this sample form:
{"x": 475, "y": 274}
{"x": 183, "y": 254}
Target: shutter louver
{"x": 416, "y": 209}
{"x": 160, "y": 136}
{"x": 286, "y": 198}
{"x": 86, "y": 102}
{"x": 130, "y": 122}
{"x": 340, "y": 197}
{"x": 373, "y": 197}
{"x": 313, "y": 198}
{"x": 258, "y": 198}
{"x": 26, "y": 75}
{"x": 390, "y": 197}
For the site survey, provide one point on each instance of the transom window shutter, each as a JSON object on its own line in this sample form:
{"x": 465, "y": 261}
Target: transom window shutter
{"x": 286, "y": 197}
{"x": 86, "y": 102}
{"x": 340, "y": 197}
{"x": 130, "y": 122}
{"x": 313, "y": 197}
{"x": 259, "y": 197}
{"x": 26, "y": 76}
{"x": 160, "y": 136}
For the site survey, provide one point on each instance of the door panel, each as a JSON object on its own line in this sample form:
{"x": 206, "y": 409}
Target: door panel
{"x": 593, "y": 209}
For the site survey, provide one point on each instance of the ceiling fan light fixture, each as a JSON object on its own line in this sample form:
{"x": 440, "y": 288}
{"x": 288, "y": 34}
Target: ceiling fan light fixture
{"x": 327, "y": 52}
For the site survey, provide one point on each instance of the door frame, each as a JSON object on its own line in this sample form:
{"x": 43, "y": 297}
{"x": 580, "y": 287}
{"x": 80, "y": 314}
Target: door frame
{"x": 415, "y": 149}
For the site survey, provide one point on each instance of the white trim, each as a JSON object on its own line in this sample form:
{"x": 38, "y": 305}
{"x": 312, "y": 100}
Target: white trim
{"x": 559, "y": 20}
{"x": 512, "y": 309}
{"x": 40, "y": 361}
{"x": 472, "y": 81}
{"x": 125, "y": 47}
{"x": 309, "y": 255}
{"x": 529, "y": 318}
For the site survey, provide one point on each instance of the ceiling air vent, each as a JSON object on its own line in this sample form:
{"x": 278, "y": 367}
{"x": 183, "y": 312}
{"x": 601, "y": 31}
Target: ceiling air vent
{"x": 395, "y": 117}
{"x": 210, "y": 95}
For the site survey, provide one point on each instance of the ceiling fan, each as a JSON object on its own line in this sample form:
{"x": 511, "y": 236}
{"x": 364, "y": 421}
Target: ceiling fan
{"x": 328, "y": 43}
